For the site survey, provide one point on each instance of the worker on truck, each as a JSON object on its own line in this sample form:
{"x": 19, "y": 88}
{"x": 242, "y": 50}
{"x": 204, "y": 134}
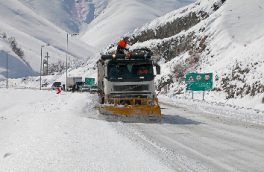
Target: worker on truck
{"x": 122, "y": 46}
{"x": 142, "y": 71}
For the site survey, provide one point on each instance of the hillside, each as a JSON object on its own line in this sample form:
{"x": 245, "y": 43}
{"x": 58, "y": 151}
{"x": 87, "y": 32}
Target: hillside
{"x": 210, "y": 36}
{"x": 31, "y": 31}
{"x": 122, "y": 17}
{"x": 94, "y": 19}
{"x": 70, "y": 15}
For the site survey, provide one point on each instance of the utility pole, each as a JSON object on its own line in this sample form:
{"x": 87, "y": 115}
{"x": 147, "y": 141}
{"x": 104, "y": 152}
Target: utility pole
{"x": 40, "y": 70}
{"x": 7, "y": 70}
{"x": 67, "y": 43}
{"x": 47, "y": 57}
{"x": 67, "y": 61}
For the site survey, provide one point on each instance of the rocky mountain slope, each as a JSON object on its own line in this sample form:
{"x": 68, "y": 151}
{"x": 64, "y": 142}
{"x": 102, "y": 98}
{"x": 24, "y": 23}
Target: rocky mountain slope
{"x": 122, "y": 17}
{"x": 219, "y": 36}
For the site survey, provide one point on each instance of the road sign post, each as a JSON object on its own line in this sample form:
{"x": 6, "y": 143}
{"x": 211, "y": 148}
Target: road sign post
{"x": 199, "y": 82}
{"x": 89, "y": 81}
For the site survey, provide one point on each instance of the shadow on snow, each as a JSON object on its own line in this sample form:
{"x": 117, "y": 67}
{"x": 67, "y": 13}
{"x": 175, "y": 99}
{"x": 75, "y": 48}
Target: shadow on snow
{"x": 178, "y": 120}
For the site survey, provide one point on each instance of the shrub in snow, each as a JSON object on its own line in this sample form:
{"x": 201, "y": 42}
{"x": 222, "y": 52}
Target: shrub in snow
{"x": 3, "y": 35}
{"x": 164, "y": 82}
{"x": 56, "y": 67}
{"x": 13, "y": 44}
{"x": 235, "y": 84}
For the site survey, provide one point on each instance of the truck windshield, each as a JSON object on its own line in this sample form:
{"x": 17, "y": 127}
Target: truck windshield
{"x": 119, "y": 71}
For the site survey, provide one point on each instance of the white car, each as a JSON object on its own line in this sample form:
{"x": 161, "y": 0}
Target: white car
{"x": 84, "y": 88}
{"x": 94, "y": 89}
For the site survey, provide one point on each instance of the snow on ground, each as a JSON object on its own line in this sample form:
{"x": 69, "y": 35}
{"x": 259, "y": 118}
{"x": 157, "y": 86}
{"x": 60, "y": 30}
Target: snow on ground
{"x": 42, "y": 131}
{"x": 190, "y": 140}
{"x": 47, "y": 81}
{"x": 226, "y": 109}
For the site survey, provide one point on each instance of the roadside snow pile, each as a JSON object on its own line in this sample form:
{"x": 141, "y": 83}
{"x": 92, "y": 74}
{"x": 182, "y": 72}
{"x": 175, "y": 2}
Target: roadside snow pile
{"x": 215, "y": 108}
{"x": 210, "y": 36}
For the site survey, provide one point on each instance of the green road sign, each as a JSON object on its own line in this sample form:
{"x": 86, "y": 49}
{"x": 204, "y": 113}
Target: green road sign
{"x": 89, "y": 81}
{"x": 199, "y": 81}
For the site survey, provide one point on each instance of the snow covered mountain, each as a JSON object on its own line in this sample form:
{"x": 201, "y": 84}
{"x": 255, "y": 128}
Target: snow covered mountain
{"x": 33, "y": 23}
{"x": 70, "y": 15}
{"x": 220, "y": 36}
{"x": 30, "y": 31}
{"x": 102, "y": 21}
{"x": 122, "y": 17}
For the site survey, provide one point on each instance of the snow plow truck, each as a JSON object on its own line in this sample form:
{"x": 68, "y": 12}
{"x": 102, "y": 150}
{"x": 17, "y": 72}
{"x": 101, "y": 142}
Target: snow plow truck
{"x": 126, "y": 86}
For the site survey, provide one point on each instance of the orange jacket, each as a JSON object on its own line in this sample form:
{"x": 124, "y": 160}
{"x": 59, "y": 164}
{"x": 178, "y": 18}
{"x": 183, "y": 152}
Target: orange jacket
{"x": 122, "y": 43}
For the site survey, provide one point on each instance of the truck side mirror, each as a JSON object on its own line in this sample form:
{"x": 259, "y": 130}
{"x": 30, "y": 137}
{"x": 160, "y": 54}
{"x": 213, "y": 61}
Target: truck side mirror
{"x": 158, "y": 69}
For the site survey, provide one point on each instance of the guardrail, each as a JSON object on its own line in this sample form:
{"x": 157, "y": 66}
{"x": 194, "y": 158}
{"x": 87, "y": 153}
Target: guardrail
{"x": 26, "y": 88}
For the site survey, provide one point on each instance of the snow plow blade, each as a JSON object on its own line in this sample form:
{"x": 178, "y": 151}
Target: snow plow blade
{"x": 133, "y": 109}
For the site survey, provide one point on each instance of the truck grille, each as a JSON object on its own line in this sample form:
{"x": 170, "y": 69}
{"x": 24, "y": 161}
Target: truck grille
{"x": 131, "y": 88}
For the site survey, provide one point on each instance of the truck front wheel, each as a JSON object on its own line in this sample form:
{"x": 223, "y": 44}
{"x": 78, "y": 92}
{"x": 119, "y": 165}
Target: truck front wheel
{"x": 101, "y": 100}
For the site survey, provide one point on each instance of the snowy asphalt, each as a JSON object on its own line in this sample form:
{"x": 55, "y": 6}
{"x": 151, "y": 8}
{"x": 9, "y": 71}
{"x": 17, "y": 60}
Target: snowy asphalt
{"x": 193, "y": 141}
{"x": 42, "y": 131}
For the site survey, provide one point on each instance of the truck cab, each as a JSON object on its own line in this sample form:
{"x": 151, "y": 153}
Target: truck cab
{"x": 126, "y": 77}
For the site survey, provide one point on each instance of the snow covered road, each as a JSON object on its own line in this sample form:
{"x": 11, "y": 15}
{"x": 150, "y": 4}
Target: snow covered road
{"x": 42, "y": 131}
{"x": 193, "y": 141}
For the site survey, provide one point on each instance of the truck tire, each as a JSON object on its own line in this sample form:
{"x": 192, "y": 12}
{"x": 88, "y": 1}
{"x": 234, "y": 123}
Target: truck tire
{"x": 101, "y": 100}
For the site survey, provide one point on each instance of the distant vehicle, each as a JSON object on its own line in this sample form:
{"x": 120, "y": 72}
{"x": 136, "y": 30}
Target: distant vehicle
{"x": 85, "y": 88}
{"x": 72, "y": 82}
{"x": 78, "y": 86}
{"x": 93, "y": 89}
{"x": 79, "y": 83}
{"x": 56, "y": 85}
